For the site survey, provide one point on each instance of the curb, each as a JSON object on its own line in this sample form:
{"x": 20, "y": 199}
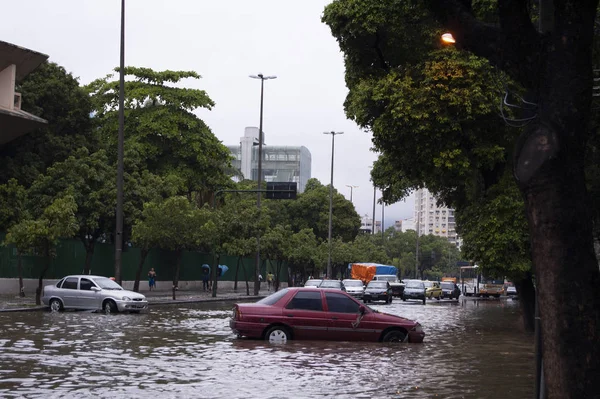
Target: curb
{"x": 180, "y": 301}
{"x": 150, "y": 303}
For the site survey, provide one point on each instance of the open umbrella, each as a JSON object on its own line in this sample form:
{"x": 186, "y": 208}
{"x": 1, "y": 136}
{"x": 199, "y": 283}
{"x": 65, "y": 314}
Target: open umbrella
{"x": 222, "y": 269}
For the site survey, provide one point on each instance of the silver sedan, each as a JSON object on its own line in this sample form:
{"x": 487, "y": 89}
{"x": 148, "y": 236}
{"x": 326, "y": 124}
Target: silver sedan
{"x": 92, "y": 293}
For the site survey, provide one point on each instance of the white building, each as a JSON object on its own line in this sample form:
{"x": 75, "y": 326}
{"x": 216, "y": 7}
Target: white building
{"x": 16, "y": 63}
{"x": 366, "y": 225}
{"x": 279, "y": 163}
{"x": 408, "y": 224}
{"x": 434, "y": 219}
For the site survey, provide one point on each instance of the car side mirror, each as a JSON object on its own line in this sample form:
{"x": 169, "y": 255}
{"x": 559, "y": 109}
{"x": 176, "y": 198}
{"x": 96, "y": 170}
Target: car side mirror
{"x": 362, "y": 310}
{"x": 96, "y": 289}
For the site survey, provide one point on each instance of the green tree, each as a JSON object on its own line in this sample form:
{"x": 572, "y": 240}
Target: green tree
{"x": 40, "y": 236}
{"x": 275, "y": 245}
{"x": 311, "y": 210}
{"x": 52, "y": 93}
{"x": 555, "y": 68}
{"x": 162, "y": 133}
{"x": 302, "y": 253}
{"x": 174, "y": 225}
{"x": 90, "y": 179}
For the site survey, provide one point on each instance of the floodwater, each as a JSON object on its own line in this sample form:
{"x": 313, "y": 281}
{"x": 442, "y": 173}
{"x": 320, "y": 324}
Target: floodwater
{"x": 473, "y": 349}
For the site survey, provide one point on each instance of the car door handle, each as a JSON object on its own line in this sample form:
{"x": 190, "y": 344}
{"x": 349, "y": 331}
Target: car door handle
{"x": 334, "y": 318}
{"x": 289, "y": 315}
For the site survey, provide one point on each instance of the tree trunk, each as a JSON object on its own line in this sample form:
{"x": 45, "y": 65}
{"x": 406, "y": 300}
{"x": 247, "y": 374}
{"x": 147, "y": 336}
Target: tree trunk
{"x": 38, "y": 291}
{"x": 277, "y": 276}
{"x": 89, "y": 253}
{"x": 176, "y": 274}
{"x": 138, "y": 272}
{"x": 237, "y": 270}
{"x": 245, "y": 277}
{"x": 526, "y": 292}
{"x": 215, "y": 271}
{"x": 567, "y": 277}
{"x": 20, "y": 272}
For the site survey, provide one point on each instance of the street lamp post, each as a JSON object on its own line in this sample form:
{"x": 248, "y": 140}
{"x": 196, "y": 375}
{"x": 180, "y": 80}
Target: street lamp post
{"x": 333, "y": 134}
{"x": 382, "y": 218}
{"x": 374, "y": 201}
{"x": 259, "y": 177}
{"x": 351, "y": 187}
{"x": 120, "y": 153}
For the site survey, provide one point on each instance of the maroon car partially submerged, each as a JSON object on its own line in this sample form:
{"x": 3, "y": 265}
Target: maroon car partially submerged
{"x": 319, "y": 314}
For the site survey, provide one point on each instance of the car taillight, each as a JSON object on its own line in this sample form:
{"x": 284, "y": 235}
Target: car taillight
{"x": 237, "y": 314}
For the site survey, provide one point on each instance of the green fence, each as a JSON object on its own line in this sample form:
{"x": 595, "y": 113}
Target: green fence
{"x": 70, "y": 259}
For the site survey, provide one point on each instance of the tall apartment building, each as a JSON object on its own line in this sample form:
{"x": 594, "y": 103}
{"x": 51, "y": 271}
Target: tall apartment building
{"x": 433, "y": 219}
{"x": 279, "y": 163}
{"x": 366, "y": 225}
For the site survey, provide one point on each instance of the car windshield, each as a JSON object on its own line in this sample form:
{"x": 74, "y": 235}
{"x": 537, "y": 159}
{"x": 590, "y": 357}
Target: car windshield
{"x": 386, "y": 278}
{"x": 447, "y": 286}
{"x": 414, "y": 284}
{"x": 330, "y": 284}
{"x": 312, "y": 283}
{"x": 353, "y": 283}
{"x": 377, "y": 284}
{"x": 428, "y": 284}
{"x": 273, "y": 298}
{"x": 107, "y": 284}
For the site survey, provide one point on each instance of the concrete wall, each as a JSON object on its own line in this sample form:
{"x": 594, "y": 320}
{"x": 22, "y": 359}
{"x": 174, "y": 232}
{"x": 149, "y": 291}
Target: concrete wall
{"x": 7, "y": 87}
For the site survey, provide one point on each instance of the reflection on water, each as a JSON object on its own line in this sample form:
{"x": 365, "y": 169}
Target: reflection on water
{"x": 473, "y": 349}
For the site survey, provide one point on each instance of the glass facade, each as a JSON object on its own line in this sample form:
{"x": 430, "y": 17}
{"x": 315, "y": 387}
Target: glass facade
{"x": 279, "y": 164}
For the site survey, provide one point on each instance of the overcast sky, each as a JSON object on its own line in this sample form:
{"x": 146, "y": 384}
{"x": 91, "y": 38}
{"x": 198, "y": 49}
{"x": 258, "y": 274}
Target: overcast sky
{"x": 224, "y": 41}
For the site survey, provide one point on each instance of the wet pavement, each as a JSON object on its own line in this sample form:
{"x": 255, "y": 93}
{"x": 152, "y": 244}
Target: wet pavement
{"x": 473, "y": 349}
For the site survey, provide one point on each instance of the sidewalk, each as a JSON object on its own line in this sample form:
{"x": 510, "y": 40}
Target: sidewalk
{"x": 14, "y": 303}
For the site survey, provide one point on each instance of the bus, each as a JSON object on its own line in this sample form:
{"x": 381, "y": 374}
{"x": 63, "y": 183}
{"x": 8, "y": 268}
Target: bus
{"x": 474, "y": 283}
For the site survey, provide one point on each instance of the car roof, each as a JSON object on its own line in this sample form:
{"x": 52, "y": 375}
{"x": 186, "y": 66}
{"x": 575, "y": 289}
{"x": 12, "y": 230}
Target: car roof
{"x": 84, "y": 275}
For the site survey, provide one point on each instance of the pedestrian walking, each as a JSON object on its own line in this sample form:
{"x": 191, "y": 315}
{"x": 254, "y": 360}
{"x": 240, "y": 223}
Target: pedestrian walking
{"x": 270, "y": 278}
{"x": 152, "y": 279}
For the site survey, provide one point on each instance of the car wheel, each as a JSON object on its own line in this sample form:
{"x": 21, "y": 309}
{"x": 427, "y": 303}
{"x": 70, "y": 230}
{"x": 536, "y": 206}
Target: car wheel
{"x": 423, "y": 301}
{"x": 404, "y": 299}
{"x": 394, "y": 336}
{"x": 390, "y": 301}
{"x": 56, "y": 305}
{"x": 109, "y": 307}
{"x": 277, "y": 335}
{"x": 438, "y": 298}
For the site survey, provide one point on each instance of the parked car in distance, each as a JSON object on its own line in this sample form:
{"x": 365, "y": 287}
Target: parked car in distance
{"x": 397, "y": 285}
{"x": 313, "y": 282}
{"x": 89, "y": 292}
{"x": 511, "y": 290}
{"x": 378, "y": 291}
{"x": 414, "y": 289}
{"x": 450, "y": 290}
{"x": 319, "y": 314}
{"x": 356, "y": 288}
{"x": 335, "y": 284}
{"x": 433, "y": 290}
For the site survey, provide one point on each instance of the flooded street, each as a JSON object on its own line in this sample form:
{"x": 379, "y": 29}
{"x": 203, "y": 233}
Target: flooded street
{"x": 473, "y": 349}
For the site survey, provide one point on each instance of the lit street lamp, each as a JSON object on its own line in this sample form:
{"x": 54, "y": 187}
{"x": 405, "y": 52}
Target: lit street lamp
{"x": 333, "y": 134}
{"x": 351, "y": 187}
{"x": 260, "y": 144}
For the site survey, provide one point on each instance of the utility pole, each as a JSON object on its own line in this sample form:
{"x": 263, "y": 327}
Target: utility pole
{"x": 417, "y": 255}
{"x": 333, "y": 134}
{"x": 120, "y": 154}
{"x": 259, "y": 177}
